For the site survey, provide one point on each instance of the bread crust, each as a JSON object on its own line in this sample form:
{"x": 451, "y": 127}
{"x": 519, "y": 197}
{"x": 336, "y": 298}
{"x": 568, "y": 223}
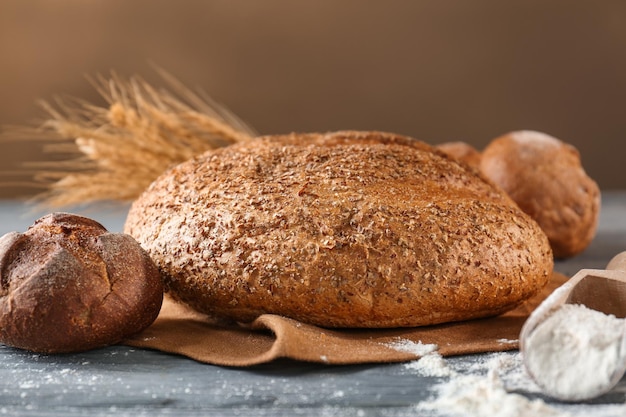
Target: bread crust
{"x": 346, "y": 229}
{"x": 545, "y": 177}
{"x": 462, "y": 151}
{"x": 68, "y": 285}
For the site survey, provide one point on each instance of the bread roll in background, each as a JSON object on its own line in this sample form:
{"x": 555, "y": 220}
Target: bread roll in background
{"x": 347, "y": 229}
{"x": 545, "y": 177}
{"x": 462, "y": 151}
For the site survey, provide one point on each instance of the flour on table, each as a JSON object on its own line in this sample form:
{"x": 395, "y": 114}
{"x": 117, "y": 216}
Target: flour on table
{"x": 480, "y": 390}
{"x": 485, "y": 396}
{"x": 491, "y": 385}
{"x": 431, "y": 364}
{"x": 574, "y": 352}
{"x": 498, "y": 385}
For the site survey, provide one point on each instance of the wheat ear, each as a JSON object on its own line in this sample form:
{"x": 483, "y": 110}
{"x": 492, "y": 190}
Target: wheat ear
{"x": 119, "y": 149}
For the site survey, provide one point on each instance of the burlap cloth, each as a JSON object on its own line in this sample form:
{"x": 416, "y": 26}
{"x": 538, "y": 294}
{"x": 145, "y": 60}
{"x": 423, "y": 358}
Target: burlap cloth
{"x": 181, "y": 330}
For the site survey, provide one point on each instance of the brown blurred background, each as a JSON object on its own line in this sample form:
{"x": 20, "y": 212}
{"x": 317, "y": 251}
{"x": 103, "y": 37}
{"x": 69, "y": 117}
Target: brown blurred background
{"x": 435, "y": 70}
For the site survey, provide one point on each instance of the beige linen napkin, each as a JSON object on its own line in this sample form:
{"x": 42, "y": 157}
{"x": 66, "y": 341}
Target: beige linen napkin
{"x": 181, "y": 330}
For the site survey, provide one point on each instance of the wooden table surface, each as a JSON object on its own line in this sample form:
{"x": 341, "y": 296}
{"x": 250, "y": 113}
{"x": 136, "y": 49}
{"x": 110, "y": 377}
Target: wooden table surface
{"x": 123, "y": 381}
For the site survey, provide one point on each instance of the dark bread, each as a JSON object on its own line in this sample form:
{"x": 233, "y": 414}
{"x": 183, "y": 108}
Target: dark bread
{"x": 350, "y": 229}
{"x": 68, "y": 285}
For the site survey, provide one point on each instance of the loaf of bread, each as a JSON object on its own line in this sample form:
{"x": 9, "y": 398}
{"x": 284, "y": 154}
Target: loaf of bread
{"x": 67, "y": 285}
{"x": 347, "y": 229}
{"x": 462, "y": 151}
{"x": 545, "y": 177}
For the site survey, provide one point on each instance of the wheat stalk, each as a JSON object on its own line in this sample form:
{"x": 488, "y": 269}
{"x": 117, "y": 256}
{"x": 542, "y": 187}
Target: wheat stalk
{"x": 121, "y": 148}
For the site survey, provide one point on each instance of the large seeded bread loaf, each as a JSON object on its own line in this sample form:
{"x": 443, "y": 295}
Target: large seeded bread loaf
{"x": 349, "y": 229}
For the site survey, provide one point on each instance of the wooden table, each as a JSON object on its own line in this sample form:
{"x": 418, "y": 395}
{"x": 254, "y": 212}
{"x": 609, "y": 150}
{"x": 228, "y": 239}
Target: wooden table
{"x": 123, "y": 381}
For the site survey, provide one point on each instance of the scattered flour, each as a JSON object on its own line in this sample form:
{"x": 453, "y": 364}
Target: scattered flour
{"x": 409, "y": 346}
{"x": 574, "y": 352}
{"x": 492, "y": 385}
{"x": 495, "y": 385}
{"x": 432, "y": 364}
{"x": 472, "y": 395}
{"x": 478, "y": 389}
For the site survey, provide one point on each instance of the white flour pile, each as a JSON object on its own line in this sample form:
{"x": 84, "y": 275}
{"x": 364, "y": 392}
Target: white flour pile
{"x": 574, "y": 352}
{"x": 431, "y": 362}
{"x": 492, "y": 385}
{"x": 472, "y": 394}
{"x": 479, "y": 390}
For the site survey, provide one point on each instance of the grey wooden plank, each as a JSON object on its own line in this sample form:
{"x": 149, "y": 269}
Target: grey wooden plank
{"x": 125, "y": 381}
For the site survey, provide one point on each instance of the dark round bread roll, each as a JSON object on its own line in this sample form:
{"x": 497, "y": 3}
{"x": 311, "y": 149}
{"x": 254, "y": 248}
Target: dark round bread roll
{"x": 67, "y": 285}
{"x": 350, "y": 229}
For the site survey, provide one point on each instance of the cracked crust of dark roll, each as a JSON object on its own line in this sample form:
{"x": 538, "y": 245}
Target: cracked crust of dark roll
{"x": 345, "y": 229}
{"x": 68, "y": 285}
